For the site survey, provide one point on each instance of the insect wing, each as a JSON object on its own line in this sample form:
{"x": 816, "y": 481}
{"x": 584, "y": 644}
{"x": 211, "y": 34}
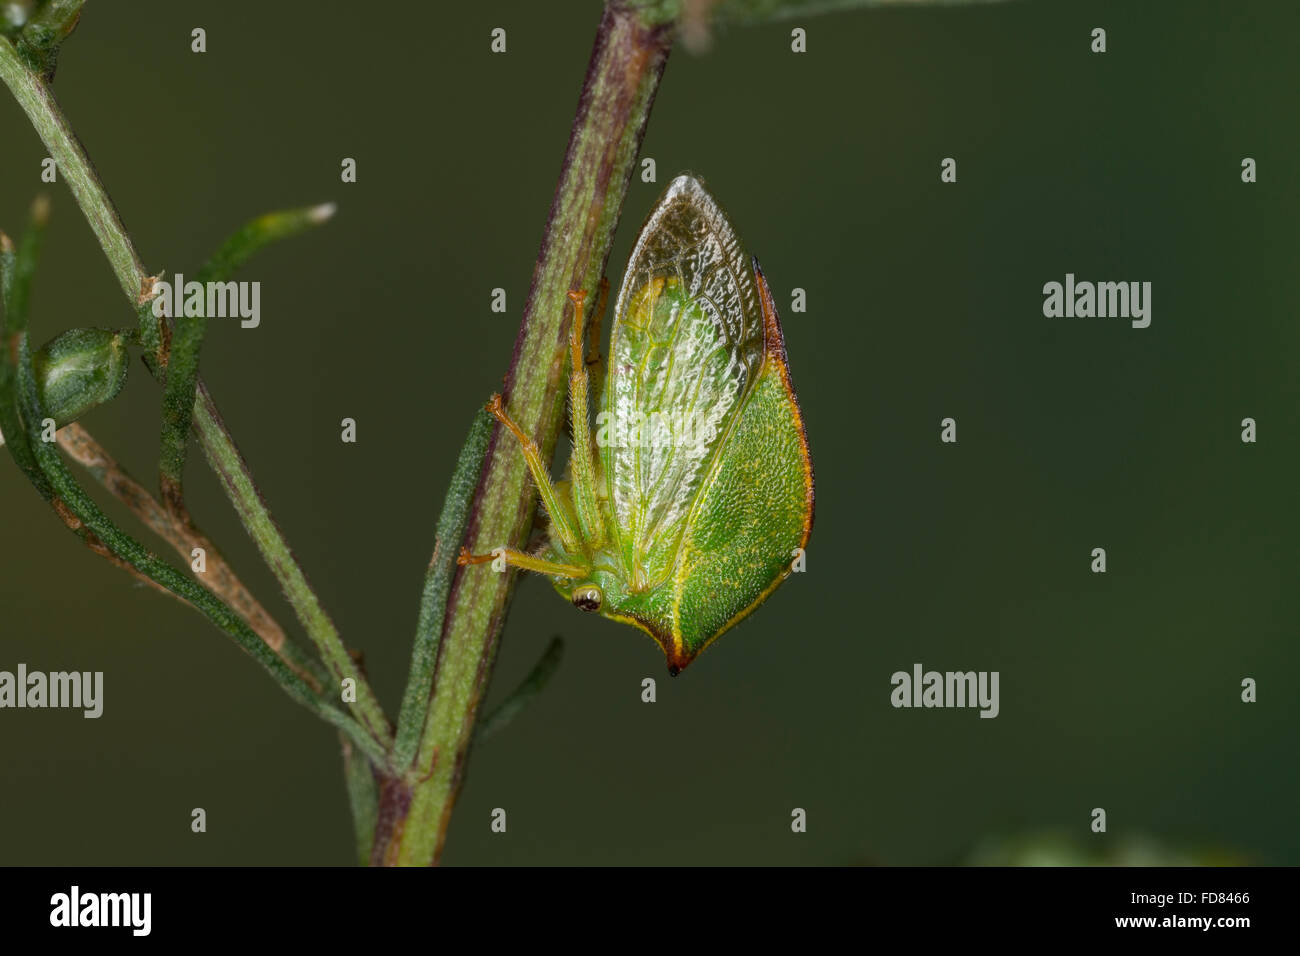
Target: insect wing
{"x": 686, "y": 346}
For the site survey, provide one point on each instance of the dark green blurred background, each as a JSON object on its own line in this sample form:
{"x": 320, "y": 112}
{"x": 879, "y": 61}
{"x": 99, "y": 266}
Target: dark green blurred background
{"x": 924, "y": 301}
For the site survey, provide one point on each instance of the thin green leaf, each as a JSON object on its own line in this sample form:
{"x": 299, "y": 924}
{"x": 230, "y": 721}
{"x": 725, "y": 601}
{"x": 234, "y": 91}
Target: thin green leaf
{"x": 22, "y": 265}
{"x": 525, "y": 692}
{"x": 17, "y": 266}
{"x": 363, "y": 798}
{"x": 437, "y": 582}
{"x": 183, "y": 359}
{"x": 261, "y": 232}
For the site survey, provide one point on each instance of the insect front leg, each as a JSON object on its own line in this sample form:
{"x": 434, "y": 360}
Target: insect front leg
{"x": 560, "y": 523}
{"x": 584, "y": 472}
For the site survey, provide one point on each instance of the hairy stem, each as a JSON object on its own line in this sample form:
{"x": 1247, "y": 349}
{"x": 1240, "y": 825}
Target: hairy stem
{"x": 626, "y": 65}
{"x": 38, "y": 102}
{"x": 237, "y": 481}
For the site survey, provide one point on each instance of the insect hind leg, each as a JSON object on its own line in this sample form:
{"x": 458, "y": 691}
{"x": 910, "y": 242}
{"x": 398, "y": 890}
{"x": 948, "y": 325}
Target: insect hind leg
{"x": 525, "y": 562}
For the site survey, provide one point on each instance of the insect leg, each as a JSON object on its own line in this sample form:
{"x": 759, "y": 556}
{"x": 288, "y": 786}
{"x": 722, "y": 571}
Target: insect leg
{"x": 559, "y": 516}
{"x": 527, "y": 562}
{"x": 584, "y": 472}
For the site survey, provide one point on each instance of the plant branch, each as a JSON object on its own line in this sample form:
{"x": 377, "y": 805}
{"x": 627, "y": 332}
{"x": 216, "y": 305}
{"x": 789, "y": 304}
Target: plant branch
{"x": 83, "y": 517}
{"x": 38, "y": 102}
{"x": 219, "y": 577}
{"x": 237, "y": 481}
{"x": 622, "y": 77}
{"x": 36, "y": 99}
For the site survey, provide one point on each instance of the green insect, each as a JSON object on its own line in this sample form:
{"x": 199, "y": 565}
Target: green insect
{"x": 699, "y": 491}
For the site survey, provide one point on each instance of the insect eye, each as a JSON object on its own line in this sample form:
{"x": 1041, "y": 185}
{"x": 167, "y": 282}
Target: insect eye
{"x": 588, "y": 598}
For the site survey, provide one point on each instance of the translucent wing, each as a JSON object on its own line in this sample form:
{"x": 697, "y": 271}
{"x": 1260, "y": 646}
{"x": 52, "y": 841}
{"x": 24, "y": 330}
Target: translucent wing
{"x": 686, "y": 345}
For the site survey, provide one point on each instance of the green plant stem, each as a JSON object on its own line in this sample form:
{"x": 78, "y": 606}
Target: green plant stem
{"x": 237, "y": 481}
{"x": 622, "y": 77}
{"x": 38, "y": 102}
